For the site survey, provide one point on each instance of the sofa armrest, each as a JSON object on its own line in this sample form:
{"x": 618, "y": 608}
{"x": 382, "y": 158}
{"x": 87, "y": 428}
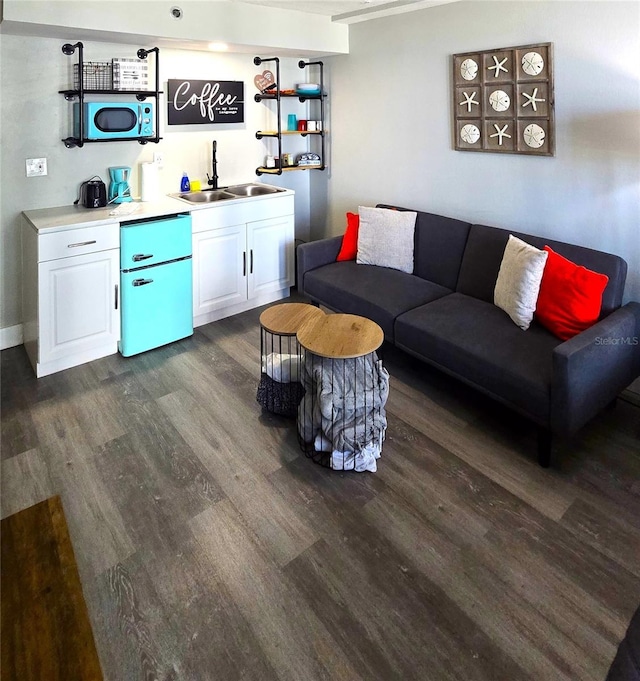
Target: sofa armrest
{"x": 315, "y": 254}
{"x": 592, "y": 368}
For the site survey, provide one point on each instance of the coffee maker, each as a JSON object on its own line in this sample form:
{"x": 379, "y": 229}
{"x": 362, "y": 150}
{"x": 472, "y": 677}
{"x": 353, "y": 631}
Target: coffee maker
{"x": 119, "y": 189}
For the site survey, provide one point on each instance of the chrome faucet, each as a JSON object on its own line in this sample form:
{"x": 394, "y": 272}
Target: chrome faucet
{"x": 213, "y": 181}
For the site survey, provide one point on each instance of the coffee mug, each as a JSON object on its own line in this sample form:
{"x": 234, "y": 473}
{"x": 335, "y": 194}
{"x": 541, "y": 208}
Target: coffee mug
{"x": 302, "y": 126}
{"x": 311, "y": 126}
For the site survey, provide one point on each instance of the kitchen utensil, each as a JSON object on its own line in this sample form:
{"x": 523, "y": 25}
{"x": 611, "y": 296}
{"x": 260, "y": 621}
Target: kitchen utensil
{"x": 93, "y": 193}
{"x": 119, "y": 189}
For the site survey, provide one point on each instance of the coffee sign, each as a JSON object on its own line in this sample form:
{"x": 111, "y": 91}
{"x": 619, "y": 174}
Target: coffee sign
{"x": 203, "y": 102}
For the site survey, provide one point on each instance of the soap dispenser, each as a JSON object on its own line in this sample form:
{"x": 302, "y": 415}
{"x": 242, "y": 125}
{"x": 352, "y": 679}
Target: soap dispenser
{"x": 185, "y": 185}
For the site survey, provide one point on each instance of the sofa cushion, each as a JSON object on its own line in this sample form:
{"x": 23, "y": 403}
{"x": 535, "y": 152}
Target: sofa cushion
{"x": 349, "y": 248}
{"x": 438, "y": 248}
{"x": 483, "y": 255}
{"x": 386, "y": 237}
{"x": 570, "y": 297}
{"x": 379, "y": 293}
{"x": 477, "y": 341}
{"x": 518, "y": 282}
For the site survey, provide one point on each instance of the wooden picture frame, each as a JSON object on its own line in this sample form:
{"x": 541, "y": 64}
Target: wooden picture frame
{"x": 503, "y": 100}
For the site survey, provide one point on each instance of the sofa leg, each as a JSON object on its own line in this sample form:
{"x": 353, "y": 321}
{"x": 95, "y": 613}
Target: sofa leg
{"x": 545, "y": 441}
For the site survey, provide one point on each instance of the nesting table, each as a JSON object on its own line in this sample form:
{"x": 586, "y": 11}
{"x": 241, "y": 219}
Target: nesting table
{"x": 323, "y": 369}
{"x": 280, "y": 390}
{"x": 341, "y": 410}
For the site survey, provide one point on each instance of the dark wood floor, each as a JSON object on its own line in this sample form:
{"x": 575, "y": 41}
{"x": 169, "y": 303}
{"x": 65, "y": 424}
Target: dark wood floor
{"x": 210, "y": 548}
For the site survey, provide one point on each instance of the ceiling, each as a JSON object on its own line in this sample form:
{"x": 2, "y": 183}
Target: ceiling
{"x": 348, "y": 11}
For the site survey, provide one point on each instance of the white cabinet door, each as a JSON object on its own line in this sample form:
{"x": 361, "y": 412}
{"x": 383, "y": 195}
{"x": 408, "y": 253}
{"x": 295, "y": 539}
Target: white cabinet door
{"x": 78, "y": 304}
{"x": 219, "y": 268}
{"x": 270, "y": 255}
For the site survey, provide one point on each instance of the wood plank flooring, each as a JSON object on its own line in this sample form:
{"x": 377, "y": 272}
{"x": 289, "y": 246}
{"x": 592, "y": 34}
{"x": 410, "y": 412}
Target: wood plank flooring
{"x": 209, "y": 547}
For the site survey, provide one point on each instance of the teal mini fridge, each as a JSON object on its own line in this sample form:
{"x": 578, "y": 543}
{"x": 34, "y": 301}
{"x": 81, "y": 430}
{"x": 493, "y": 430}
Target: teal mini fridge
{"x": 156, "y": 283}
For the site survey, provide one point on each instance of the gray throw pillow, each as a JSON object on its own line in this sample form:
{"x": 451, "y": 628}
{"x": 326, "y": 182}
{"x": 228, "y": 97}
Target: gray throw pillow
{"x": 385, "y": 238}
{"x": 518, "y": 282}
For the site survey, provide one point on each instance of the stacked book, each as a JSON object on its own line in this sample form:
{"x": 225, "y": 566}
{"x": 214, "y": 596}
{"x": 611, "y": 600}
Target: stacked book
{"x": 130, "y": 74}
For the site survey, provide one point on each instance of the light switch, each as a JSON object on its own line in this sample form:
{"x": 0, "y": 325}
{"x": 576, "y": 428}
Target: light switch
{"x": 36, "y": 167}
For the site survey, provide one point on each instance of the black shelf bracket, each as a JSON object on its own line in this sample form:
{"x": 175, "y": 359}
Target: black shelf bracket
{"x": 277, "y": 95}
{"x": 69, "y": 49}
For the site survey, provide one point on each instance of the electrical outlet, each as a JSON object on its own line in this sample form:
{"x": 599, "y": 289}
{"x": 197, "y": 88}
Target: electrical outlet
{"x": 158, "y": 159}
{"x": 36, "y": 167}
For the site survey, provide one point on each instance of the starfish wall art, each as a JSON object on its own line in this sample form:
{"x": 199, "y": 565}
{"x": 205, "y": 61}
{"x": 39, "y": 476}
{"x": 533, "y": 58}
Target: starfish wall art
{"x": 503, "y": 100}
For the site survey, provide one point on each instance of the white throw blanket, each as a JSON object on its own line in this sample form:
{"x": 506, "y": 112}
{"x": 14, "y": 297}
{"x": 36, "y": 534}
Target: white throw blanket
{"x": 283, "y": 368}
{"x": 343, "y": 409}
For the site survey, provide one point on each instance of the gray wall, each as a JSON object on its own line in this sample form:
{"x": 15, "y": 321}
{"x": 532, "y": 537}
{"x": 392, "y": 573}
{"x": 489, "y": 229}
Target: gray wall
{"x": 391, "y": 124}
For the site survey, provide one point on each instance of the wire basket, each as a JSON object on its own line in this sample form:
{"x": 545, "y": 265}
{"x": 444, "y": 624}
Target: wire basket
{"x": 96, "y": 75}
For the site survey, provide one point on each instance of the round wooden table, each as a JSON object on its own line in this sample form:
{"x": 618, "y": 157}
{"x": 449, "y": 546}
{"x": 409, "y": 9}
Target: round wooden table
{"x": 341, "y": 406}
{"x": 279, "y": 390}
{"x": 340, "y": 336}
{"x": 286, "y": 318}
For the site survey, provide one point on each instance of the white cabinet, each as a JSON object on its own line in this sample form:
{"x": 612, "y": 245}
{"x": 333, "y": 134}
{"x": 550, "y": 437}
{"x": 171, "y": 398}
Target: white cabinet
{"x": 70, "y": 296}
{"x": 270, "y": 255}
{"x": 219, "y": 269}
{"x": 243, "y": 257}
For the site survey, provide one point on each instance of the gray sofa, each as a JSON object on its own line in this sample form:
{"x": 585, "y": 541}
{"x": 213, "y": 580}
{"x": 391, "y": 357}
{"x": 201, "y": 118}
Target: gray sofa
{"x": 443, "y": 314}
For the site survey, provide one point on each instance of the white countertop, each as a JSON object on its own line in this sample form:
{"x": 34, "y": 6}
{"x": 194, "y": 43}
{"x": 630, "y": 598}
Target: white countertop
{"x": 61, "y": 218}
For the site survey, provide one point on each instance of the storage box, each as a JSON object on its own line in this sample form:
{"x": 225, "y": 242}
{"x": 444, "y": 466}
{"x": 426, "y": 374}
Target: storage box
{"x": 96, "y": 75}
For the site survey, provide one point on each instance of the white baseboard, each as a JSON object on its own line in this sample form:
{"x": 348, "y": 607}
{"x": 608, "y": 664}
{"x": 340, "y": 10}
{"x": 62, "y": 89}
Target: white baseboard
{"x": 10, "y": 336}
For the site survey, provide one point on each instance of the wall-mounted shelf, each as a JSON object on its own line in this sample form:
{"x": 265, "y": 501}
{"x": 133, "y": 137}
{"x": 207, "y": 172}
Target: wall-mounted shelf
{"x": 284, "y": 169}
{"x": 138, "y": 94}
{"x": 303, "y": 98}
{"x": 278, "y": 134}
{"x": 81, "y": 92}
{"x": 274, "y": 133}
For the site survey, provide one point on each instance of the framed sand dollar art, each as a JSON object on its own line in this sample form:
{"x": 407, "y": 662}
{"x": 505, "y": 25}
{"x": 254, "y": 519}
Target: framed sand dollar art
{"x": 508, "y": 92}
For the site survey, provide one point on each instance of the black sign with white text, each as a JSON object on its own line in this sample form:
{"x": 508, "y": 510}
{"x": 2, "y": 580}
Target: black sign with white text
{"x": 203, "y": 102}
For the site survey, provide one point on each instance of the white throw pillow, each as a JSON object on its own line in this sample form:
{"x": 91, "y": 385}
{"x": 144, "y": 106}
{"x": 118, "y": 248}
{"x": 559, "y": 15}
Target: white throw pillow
{"x": 518, "y": 282}
{"x": 385, "y": 238}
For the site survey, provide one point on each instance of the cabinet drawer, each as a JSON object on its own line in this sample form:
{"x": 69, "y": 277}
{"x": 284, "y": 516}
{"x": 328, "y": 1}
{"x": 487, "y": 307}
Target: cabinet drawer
{"x": 77, "y": 242}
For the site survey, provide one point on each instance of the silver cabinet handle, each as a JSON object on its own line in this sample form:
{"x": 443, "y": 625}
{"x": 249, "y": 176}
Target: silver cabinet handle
{"x": 141, "y": 256}
{"x": 142, "y": 282}
{"x": 251, "y": 263}
{"x": 82, "y": 243}
{"x": 244, "y": 263}
{"x": 116, "y": 297}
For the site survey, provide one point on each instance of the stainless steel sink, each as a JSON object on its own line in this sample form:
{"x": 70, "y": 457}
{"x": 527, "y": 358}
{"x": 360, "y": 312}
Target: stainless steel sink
{"x": 252, "y": 190}
{"x": 238, "y": 191}
{"x": 205, "y": 196}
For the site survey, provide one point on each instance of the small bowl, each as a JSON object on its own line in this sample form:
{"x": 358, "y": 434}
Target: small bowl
{"x": 307, "y": 86}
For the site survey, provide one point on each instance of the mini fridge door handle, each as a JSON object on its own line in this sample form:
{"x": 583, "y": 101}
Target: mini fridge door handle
{"x": 141, "y": 256}
{"x": 142, "y": 282}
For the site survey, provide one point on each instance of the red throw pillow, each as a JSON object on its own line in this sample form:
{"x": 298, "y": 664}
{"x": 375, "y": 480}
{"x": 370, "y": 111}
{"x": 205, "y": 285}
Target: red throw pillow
{"x": 349, "y": 248}
{"x": 570, "y": 296}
